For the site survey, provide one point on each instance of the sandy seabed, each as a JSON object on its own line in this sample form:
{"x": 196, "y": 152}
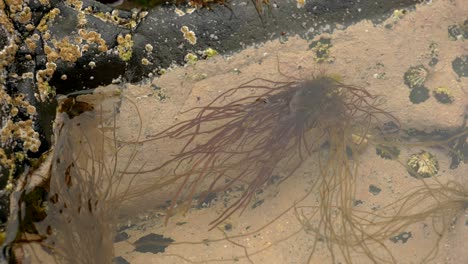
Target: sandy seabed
{"x": 366, "y": 55}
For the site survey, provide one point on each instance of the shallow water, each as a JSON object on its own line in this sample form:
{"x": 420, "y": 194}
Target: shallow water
{"x": 374, "y": 57}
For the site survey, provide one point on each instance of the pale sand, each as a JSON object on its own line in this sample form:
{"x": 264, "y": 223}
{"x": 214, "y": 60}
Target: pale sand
{"x": 359, "y": 52}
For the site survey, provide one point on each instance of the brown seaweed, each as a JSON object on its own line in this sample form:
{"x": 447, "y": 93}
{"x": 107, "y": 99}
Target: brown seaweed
{"x": 245, "y": 137}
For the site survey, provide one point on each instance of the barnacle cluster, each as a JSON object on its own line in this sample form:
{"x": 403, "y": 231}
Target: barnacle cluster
{"x": 22, "y": 131}
{"x": 423, "y": 165}
{"x": 125, "y": 47}
{"x": 189, "y": 35}
{"x": 45, "y": 90}
{"x": 17, "y": 134}
{"x": 49, "y": 17}
{"x": 91, "y": 37}
{"x": 322, "y": 50}
{"x": 209, "y": 53}
{"x": 191, "y": 58}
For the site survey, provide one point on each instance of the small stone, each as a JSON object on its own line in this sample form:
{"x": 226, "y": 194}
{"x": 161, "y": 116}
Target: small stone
{"x": 403, "y": 237}
{"x": 122, "y": 236}
{"x": 153, "y": 243}
{"x": 374, "y": 189}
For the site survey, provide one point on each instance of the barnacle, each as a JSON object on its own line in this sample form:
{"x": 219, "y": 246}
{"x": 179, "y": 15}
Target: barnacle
{"x": 145, "y": 61}
{"x": 43, "y": 24}
{"x": 423, "y": 165}
{"x": 398, "y": 14}
{"x": 415, "y": 76}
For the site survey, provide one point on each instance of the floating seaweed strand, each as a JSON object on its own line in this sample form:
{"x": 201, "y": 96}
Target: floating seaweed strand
{"x": 245, "y": 140}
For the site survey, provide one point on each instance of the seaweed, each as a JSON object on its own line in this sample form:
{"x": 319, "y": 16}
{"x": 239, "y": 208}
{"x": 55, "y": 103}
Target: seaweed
{"x": 245, "y": 137}
{"x": 85, "y": 184}
{"x": 438, "y": 203}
